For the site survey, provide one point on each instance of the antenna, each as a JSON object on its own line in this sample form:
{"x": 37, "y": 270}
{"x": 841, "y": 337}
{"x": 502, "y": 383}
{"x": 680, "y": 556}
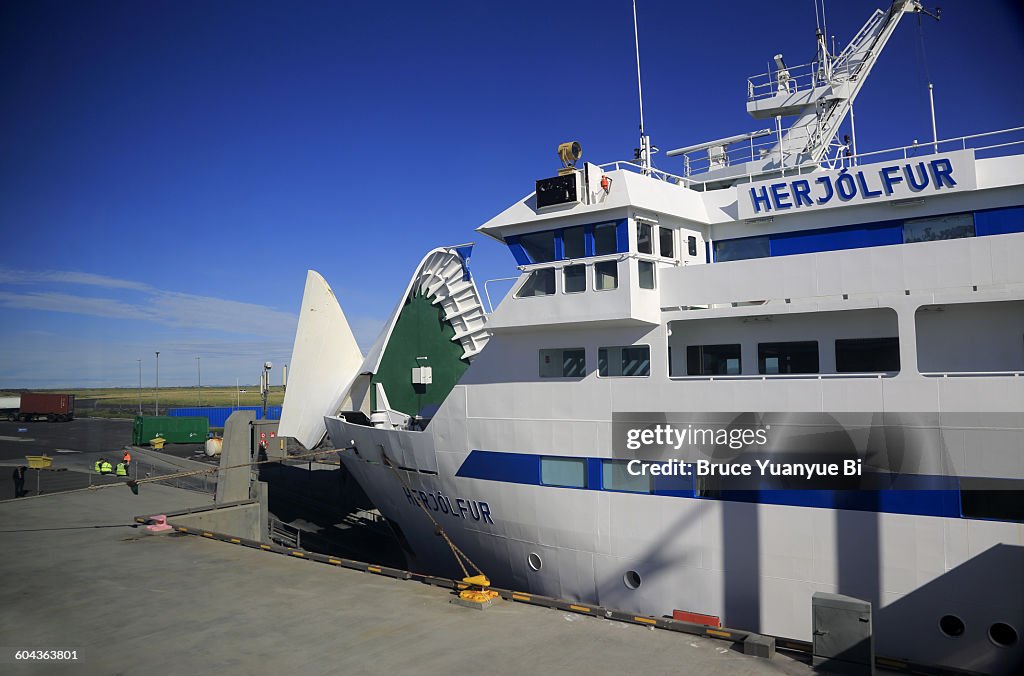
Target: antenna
{"x": 824, "y": 22}
{"x": 644, "y": 152}
{"x": 937, "y": 15}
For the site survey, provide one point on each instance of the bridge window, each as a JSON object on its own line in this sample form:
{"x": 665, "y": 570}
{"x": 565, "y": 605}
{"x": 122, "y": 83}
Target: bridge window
{"x": 713, "y": 360}
{"x": 634, "y": 361}
{"x": 539, "y": 246}
{"x": 605, "y": 240}
{"x": 644, "y": 237}
{"x": 868, "y": 355}
{"x": 691, "y": 245}
{"x": 563, "y": 363}
{"x": 615, "y": 476}
{"x": 795, "y": 357}
{"x": 666, "y": 244}
{"x": 574, "y": 278}
{"x": 741, "y": 249}
{"x": 539, "y": 283}
{"x": 950, "y": 226}
{"x": 573, "y": 242}
{"x": 646, "y": 272}
{"x": 606, "y": 275}
{"x": 565, "y": 472}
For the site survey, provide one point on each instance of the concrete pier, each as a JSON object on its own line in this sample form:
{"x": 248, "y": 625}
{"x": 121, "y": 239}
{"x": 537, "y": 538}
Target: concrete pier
{"x": 177, "y": 604}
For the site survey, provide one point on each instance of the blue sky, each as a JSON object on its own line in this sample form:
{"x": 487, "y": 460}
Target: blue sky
{"x": 170, "y": 169}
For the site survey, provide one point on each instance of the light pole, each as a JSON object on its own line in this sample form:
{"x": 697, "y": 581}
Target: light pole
{"x": 140, "y": 385}
{"x": 156, "y": 404}
{"x": 265, "y": 385}
{"x": 199, "y": 378}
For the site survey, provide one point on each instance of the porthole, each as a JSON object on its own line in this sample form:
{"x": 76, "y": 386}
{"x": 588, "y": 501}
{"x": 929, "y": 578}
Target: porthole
{"x": 1002, "y": 634}
{"x": 952, "y": 626}
{"x": 632, "y": 579}
{"x": 534, "y": 560}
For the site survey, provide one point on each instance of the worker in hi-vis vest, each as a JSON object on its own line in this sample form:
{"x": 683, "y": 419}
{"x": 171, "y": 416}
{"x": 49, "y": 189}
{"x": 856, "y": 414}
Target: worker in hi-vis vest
{"x": 127, "y": 457}
{"x": 121, "y": 469}
{"x": 98, "y": 466}
{"x": 106, "y": 467}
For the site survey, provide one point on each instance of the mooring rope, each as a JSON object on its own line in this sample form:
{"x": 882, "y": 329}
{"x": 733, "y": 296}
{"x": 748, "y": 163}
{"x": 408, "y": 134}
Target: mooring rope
{"x": 439, "y": 529}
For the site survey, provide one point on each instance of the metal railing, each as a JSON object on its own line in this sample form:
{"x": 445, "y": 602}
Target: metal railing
{"x": 832, "y": 376}
{"x": 487, "y": 293}
{"x": 986, "y": 144}
{"x": 789, "y": 376}
{"x": 973, "y": 374}
{"x": 793, "y": 79}
{"x": 942, "y": 146}
{"x": 284, "y": 533}
{"x": 636, "y": 168}
{"x": 843, "y": 67}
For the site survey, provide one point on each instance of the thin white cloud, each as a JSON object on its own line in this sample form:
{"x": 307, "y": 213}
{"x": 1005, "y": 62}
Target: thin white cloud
{"x": 167, "y": 308}
{"x": 63, "y": 302}
{"x": 12, "y": 276}
{"x": 207, "y": 312}
{"x": 233, "y": 338}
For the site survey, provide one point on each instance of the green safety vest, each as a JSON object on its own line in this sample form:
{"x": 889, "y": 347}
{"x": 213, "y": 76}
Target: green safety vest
{"x": 106, "y": 468}
{"x": 121, "y": 471}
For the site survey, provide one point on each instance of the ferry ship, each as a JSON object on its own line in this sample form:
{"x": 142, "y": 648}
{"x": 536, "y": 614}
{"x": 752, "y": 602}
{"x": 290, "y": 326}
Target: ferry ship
{"x": 868, "y": 307}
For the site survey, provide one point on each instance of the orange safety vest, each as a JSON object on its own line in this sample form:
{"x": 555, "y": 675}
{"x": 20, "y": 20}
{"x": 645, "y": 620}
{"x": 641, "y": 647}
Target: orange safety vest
{"x": 127, "y": 457}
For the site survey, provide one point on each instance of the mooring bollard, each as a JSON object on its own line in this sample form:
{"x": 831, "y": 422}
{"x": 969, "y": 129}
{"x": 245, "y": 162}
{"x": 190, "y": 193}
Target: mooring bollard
{"x": 158, "y": 524}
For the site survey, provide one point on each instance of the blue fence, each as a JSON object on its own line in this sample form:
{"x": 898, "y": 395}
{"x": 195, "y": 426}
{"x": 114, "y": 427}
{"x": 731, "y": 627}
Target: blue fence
{"x": 218, "y": 415}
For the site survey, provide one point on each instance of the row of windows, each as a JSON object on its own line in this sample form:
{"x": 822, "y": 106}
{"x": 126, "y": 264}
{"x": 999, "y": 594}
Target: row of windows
{"x": 615, "y": 476}
{"x": 574, "y": 278}
{"x": 853, "y": 355}
{"x": 580, "y": 241}
{"x": 619, "y": 361}
{"x": 1000, "y": 499}
{"x": 645, "y": 241}
{"x": 602, "y": 239}
{"x": 910, "y": 231}
{"x": 572, "y": 473}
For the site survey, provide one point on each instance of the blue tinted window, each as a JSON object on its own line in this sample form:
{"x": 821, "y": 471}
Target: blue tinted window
{"x": 539, "y": 283}
{"x": 572, "y": 242}
{"x": 540, "y": 246}
{"x": 952, "y": 226}
{"x": 615, "y": 476}
{"x": 741, "y": 249}
{"x": 605, "y": 240}
{"x": 567, "y": 472}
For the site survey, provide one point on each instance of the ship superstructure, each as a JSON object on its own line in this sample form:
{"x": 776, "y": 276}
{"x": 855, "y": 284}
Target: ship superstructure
{"x": 877, "y": 299}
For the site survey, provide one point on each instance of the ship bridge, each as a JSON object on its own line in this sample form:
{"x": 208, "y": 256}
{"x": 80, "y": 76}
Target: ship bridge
{"x": 589, "y": 243}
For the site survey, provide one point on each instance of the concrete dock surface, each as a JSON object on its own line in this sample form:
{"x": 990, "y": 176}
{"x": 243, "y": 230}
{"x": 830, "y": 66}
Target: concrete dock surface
{"x": 132, "y": 603}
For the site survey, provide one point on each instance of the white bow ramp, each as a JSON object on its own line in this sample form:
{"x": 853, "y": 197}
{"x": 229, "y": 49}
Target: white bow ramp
{"x": 325, "y": 360}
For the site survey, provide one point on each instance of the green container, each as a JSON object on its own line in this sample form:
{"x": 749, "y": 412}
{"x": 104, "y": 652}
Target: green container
{"x": 176, "y": 430}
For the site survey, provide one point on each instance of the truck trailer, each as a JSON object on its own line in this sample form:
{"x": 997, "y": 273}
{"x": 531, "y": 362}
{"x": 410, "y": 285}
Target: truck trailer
{"x": 9, "y": 407}
{"x": 45, "y": 406}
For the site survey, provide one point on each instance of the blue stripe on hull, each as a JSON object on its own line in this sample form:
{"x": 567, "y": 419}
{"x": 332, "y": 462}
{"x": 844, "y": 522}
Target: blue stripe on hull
{"x": 922, "y": 495}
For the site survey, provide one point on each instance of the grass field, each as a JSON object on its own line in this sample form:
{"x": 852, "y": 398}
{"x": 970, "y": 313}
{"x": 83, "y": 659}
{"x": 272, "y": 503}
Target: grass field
{"x": 123, "y": 402}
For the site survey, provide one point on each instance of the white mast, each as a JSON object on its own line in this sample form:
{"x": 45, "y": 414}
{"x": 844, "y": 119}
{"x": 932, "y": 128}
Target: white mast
{"x": 644, "y": 152}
